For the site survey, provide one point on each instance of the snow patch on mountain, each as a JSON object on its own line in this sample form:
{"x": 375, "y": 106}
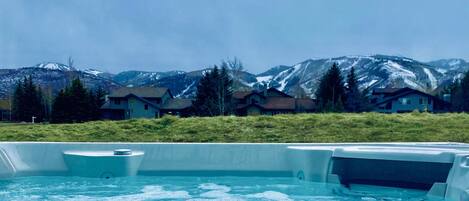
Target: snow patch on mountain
{"x": 186, "y": 90}
{"x": 431, "y": 77}
{"x": 398, "y": 70}
{"x": 93, "y": 71}
{"x": 264, "y": 78}
{"x": 54, "y": 66}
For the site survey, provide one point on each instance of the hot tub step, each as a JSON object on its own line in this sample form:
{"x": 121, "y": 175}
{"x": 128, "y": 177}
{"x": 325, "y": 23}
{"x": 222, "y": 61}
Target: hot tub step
{"x": 103, "y": 164}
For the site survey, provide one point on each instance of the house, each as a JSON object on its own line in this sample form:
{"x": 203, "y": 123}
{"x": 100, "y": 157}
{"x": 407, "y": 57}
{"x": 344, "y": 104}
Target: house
{"x": 400, "y": 100}
{"x": 143, "y": 102}
{"x": 270, "y": 102}
{"x": 5, "y": 110}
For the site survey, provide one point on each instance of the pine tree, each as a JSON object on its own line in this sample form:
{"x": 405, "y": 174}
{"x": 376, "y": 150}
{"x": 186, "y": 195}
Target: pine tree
{"x": 76, "y": 104}
{"x": 17, "y": 103}
{"x": 205, "y": 103}
{"x": 99, "y": 100}
{"x": 60, "y": 108}
{"x": 356, "y": 100}
{"x": 214, "y": 93}
{"x": 331, "y": 91}
{"x": 28, "y": 101}
{"x": 460, "y": 94}
{"x": 225, "y": 91}
{"x": 465, "y": 92}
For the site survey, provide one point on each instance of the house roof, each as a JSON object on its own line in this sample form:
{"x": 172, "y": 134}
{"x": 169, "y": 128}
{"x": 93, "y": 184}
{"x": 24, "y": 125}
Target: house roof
{"x": 5, "y": 105}
{"x": 406, "y": 91}
{"x": 242, "y": 94}
{"x": 279, "y": 103}
{"x": 145, "y": 92}
{"x": 177, "y": 104}
{"x": 274, "y": 103}
{"x": 107, "y": 105}
{"x": 278, "y": 91}
{"x": 391, "y": 91}
{"x": 385, "y": 90}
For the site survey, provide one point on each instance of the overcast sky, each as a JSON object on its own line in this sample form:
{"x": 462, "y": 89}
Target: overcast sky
{"x": 161, "y": 35}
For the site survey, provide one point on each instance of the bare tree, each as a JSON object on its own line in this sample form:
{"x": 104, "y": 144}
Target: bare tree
{"x": 237, "y": 68}
{"x": 70, "y": 62}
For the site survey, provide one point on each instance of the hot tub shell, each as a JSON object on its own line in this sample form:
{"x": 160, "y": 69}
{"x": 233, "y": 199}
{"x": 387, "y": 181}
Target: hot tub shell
{"x": 312, "y": 162}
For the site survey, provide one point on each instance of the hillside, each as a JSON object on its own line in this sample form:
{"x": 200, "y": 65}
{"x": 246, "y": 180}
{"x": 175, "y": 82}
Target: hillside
{"x": 52, "y": 77}
{"x": 302, "y": 78}
{"x": 368, "y": 127}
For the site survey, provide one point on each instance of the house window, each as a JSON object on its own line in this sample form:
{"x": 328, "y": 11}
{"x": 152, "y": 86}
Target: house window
{"x": 404, "y": 101}
{"x": 146, "y": 106}
{"x": 421, "y": 101}
{"x": 117, "y": 101}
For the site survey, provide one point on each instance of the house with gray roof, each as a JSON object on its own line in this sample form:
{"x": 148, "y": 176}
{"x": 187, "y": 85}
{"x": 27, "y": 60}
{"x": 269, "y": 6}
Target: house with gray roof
{"x": 143, "y": 102}
{"x": 401, "y": 100}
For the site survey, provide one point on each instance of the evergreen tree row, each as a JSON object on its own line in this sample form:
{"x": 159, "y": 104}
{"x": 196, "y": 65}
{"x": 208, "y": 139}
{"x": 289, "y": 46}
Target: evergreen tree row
{"x": 334, "y": 95}
{"x": 75, "y": 103}
{"x": 28, "y": 102}
{"x": 459, "y": 92}
{"x": 214, "y": 93}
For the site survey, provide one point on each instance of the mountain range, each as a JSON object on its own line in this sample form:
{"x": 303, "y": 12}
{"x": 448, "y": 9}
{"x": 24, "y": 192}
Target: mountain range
{"x": 299, "y": 79}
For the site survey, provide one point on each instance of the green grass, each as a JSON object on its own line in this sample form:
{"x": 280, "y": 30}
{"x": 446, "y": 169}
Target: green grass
{"x": 368, "y": 127}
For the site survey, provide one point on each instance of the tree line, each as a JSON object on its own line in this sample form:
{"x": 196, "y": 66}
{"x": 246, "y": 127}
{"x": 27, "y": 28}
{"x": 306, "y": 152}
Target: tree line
{"x": 334, "y": 95}
{"x": 459, "y": 94}
{"x": 75, "y": 103}
{"x": 215, "y": 91}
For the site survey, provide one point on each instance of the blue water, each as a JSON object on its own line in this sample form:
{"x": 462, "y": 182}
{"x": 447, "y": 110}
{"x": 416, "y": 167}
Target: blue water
{"x": 193, "y": 188}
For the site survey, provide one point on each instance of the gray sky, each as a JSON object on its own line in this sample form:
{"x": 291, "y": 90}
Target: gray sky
{"x": 161, "y": 35}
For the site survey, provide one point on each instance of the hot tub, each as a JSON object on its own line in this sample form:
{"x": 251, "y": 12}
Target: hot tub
{"x": 238, "y": 171}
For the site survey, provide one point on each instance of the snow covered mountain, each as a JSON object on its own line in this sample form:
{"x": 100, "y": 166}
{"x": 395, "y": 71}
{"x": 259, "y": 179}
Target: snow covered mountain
{"x": 303, "y": 78}
{"x": 54, "y": 66}
{"x": 52, "y": 77}
{"x": 141, "y": 78}
{"x": 299, "y": 79}
{"x": 372, "y": 71}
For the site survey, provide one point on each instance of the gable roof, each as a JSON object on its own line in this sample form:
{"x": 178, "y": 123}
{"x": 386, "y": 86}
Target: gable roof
{"x": 244, "y": 94}
{"x": 403, "y": 92}
{"x": 145, "y": 92}
{"x": 107, "y": 105}
{"x": 241, "y": 94}
{"x": 177, "y": 104}
{"x": 279, "y": 92}
{"x": 385, "y": 90}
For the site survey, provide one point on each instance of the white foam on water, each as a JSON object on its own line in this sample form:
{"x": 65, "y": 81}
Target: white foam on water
{"x": 270, "y": 195}
{"x": 147, "y": 193}
{"x": 219, "y": 192}
{"x": 212, "y": 186}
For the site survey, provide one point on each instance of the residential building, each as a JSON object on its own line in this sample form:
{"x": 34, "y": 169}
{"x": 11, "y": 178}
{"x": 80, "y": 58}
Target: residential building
{"x": 270, "y": 102}
{"x": 5, "y": 110}
{"x": 400, "y": 100}
{"x": 143, "y": 102}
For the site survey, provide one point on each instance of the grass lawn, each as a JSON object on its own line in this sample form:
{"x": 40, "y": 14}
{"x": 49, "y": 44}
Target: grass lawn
{"x": 368, "y": 127}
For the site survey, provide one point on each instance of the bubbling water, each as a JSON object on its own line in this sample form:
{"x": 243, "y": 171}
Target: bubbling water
{"x": 142, "y": 188}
